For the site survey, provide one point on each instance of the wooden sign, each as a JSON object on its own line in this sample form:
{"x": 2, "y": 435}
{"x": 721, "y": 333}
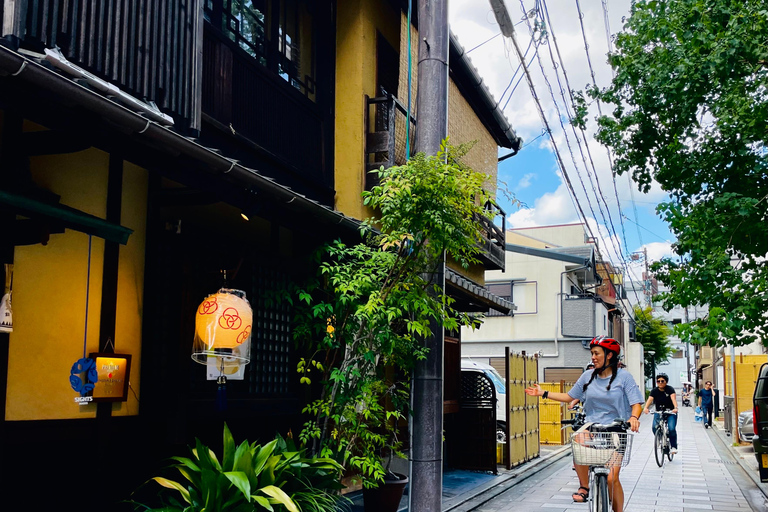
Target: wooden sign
{"x": 114, "y": 376}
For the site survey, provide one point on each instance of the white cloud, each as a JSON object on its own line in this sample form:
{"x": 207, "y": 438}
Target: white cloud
{"x": 551, "y": 208}
{"x": 659, "y": 250}
{"x": 525, "y": 181}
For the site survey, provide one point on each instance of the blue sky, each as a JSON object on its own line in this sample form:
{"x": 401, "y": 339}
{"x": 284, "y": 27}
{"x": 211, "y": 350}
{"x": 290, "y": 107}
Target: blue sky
{"x": 534, "y": 176}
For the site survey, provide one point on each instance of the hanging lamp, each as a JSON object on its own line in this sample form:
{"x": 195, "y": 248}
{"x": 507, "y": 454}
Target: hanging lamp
{"x": 223, "y": 325}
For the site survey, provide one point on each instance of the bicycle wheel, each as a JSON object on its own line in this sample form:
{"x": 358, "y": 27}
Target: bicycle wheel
{"x": 600, "y": 500}
{"x": 658, "y": 446}
{"x": 668, "y": 447}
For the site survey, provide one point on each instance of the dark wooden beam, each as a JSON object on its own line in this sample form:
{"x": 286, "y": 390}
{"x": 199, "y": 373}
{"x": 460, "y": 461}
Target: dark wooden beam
{"x": 12, "y": 126}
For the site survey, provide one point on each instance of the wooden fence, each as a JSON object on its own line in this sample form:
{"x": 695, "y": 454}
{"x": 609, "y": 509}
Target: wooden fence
{"x": 522, "y": 410}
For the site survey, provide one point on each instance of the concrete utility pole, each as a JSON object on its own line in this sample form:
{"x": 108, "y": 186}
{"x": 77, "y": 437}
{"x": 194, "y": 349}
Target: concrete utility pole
{"x": 426, "y": 488}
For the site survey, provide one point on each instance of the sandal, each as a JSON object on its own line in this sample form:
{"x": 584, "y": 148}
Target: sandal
{"x": 580, "y": 497}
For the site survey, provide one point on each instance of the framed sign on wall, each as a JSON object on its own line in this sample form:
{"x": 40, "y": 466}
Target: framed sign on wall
{"x": 114, "y": 376}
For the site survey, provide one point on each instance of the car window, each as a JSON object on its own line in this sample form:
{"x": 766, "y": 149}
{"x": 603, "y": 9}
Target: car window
{"x": 497, "y": 381}
{"x": 761, "y": 388}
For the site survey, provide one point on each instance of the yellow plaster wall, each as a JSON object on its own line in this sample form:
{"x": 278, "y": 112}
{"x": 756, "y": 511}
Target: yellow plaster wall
{"x": 49, "y": 291}
{"x": 358, "y": 22}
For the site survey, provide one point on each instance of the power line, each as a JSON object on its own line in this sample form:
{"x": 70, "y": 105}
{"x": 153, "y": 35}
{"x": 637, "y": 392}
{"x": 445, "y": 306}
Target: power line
{"x": 546, "y": 126}
{"x": 537, "y": 10}
{"x": 530, "y": 43}
{"x": 617, "y": 251}
{"x": 598, "y": 192}
{"x": 486, "y": 41}
{"x": 648, "y": 230}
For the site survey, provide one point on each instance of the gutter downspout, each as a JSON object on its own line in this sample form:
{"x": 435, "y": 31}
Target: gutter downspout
{"x": 28, "y": 71}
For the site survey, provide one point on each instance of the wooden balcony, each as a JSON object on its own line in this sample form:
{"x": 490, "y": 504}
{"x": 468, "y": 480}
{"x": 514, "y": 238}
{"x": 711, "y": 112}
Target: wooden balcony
{"x": 147, "y": 49}
{"x": 385, "y": 141}
{"x": 493, "y": 245}
{"x": 385, "y": 147}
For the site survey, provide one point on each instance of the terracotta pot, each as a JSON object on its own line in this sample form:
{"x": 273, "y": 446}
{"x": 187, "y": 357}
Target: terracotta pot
{"x": 386, "y": 497}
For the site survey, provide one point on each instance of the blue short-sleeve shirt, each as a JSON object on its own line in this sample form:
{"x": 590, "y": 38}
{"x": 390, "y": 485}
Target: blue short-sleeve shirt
{"x": 602, "y": 405}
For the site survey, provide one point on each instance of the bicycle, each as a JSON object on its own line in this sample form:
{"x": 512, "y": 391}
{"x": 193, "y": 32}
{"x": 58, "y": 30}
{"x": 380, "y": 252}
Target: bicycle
{"x": 601, "y": 447}
{"x": 661, "y": 446}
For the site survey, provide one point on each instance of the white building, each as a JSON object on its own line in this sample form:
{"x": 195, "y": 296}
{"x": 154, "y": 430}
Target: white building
{"x": 552, "y": 277}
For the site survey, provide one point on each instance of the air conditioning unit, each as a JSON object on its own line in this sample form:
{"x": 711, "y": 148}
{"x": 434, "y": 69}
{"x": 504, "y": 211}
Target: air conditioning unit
{"x": 583, "y": 317}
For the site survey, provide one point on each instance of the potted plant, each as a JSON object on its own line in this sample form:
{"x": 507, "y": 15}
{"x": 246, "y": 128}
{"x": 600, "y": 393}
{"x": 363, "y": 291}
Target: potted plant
{"x": 363, "y": 319}
{"x": 249, "y": 477}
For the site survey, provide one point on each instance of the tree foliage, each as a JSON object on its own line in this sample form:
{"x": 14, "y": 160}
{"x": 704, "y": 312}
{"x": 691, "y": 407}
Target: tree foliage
{"x": 364, "y": 319}
{"x": 653, "y": 333}
{"x": 690, "y": 110}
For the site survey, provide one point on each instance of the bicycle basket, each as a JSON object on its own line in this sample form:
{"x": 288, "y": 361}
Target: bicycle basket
{"x": 601, "y": 448}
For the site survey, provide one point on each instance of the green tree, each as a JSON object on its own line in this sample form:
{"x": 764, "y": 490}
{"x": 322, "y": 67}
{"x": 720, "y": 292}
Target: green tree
{"x": 653, "y": 333}
{"x": 690, "y": 106}
{"x": 364, "y": 319}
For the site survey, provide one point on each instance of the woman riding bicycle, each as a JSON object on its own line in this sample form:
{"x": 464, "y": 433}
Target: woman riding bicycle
{"x": 608, "y": 393}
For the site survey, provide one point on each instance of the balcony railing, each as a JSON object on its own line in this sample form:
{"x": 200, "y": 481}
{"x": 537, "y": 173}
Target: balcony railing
{"x": 146, "y": 49}
{"x": 493, "y": 245}
{"x": 385, "y": 147}
{"x": 385, "y": 142}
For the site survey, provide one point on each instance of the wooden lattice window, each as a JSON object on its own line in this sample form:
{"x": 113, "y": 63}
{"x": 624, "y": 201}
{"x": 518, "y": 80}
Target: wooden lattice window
{"x": 270, "y": 368}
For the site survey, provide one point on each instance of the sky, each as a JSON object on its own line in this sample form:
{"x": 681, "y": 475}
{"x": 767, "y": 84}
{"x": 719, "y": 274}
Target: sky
{"x": 533, "y": 176}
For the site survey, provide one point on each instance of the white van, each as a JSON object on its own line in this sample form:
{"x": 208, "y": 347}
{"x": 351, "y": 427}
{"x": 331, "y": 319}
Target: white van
{"x": 468, "y": 365}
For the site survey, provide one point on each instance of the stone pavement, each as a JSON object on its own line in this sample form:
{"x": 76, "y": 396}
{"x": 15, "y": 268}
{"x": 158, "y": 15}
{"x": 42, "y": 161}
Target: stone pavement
{"x": 703, "y": 476}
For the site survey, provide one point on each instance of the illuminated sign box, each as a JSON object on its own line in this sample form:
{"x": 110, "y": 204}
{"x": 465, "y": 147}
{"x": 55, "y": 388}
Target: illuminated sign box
{"x": 114, "y": 375}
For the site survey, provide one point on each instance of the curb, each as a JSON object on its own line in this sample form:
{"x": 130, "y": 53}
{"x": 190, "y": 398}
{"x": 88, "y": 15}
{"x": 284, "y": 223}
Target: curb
{"x": 519, "y": 474}
{"x": 719, "y": 434}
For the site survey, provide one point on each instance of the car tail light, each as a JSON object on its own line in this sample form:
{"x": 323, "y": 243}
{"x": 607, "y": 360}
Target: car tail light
{"x": 755, "y": 419}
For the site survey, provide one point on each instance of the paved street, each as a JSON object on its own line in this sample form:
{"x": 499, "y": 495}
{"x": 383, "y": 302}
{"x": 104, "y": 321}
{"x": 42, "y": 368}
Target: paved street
{"x": 703, "y": 476}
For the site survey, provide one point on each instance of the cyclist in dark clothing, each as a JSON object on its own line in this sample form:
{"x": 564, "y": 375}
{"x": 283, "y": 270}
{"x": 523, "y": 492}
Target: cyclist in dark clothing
{"x": 665, "y": 399}
{"x": 707, "y": 402}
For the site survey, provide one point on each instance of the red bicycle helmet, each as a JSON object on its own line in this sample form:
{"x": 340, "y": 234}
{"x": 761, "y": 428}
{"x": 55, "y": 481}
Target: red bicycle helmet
{"x": 607, "y": 343}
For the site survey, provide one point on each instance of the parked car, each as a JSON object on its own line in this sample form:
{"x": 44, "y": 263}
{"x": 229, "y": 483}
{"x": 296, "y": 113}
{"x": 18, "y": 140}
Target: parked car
{"x": 468, "y": 365}
{"x": 760, "y": 425}
{"x": 746, "y": 426}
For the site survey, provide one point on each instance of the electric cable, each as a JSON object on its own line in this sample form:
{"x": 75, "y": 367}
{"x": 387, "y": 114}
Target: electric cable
{"x": 610, "y": 226}
{"x": 549, "y": 130}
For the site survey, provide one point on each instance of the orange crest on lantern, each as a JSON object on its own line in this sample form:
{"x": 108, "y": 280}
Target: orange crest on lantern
{"x": 223, "y": 329}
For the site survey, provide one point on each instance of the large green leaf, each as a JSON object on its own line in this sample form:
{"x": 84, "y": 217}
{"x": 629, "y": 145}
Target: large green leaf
{"x": 170, "y": 484}
{"x": 229, "y": 450}
{"x": 279, "y": 496}
{"x": 240, "y": 480}
{"x": 187, "y": 462}
{"x": 267, "y": 476}
{"x": 262, "y": 456}
{"x": 264, "y": 502}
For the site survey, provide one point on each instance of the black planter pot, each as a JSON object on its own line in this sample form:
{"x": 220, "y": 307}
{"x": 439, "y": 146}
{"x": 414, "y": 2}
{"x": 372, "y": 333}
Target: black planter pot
{"x": 386, "y": 497}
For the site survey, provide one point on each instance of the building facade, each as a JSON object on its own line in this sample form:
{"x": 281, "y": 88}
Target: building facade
{"x": 153, "y": 153}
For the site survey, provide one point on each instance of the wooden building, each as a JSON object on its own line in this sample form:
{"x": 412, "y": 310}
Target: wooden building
{"x": 151, "y": 149}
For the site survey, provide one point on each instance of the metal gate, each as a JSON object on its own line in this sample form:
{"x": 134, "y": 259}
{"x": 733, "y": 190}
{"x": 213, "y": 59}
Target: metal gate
{"x": 476, "y": 429}
{"x": 522, "y": 410}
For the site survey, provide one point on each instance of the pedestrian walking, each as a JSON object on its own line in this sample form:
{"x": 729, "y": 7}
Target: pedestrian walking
{"x": 663, "y": 397}
{"x": 607, "y": 393}
{"x": 707, "y": 402}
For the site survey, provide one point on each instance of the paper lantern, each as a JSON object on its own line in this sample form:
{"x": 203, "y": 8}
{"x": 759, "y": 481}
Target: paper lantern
{"x": 223, "y": 325}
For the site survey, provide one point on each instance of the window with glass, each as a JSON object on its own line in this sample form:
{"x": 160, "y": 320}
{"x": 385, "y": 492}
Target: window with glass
{"x": 278, "y": 34}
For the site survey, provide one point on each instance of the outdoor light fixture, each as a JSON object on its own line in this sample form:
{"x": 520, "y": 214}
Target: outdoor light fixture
{"x": 223, "y": 329}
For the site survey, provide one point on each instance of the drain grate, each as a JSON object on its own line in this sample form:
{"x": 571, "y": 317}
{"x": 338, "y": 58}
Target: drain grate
{"x": 721, "y": 461}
